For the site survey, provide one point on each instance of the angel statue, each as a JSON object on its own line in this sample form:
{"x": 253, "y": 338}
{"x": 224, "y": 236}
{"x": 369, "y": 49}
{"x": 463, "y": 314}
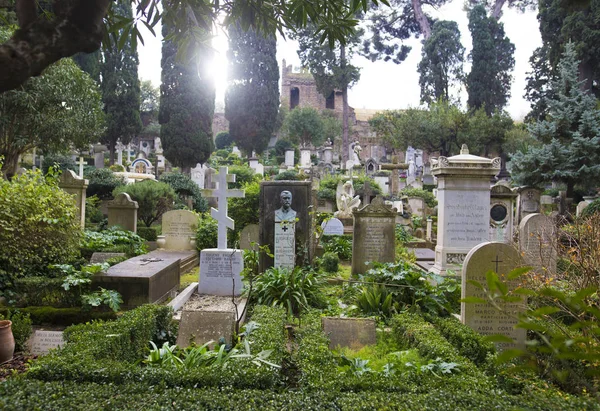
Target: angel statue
{"x": 345, "y": 199}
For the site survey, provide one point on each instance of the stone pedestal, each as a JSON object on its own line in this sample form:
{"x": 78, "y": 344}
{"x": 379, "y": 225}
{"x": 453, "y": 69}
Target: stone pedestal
{"x": 464, "y": 206}
{"x": 502, "y": 211}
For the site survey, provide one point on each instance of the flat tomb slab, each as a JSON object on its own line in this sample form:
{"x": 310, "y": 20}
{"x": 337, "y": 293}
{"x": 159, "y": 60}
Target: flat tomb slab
{"x": 144, "y": 279}
{"x": 207, "y": 318}
{"x": 353, "y": 333}
{"x": 423, "y": 254}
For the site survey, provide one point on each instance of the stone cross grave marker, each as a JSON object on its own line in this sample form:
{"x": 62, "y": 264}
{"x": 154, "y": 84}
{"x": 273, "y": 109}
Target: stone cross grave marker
{"x": 220, "y": 268}
{"x": 222, "y": 193}
{"x": 368, "y": 193}
{"x": 483, "y": 317}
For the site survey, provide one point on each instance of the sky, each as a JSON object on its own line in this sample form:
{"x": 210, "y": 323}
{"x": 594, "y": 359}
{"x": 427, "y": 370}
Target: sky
{"x": 383, "y": 85}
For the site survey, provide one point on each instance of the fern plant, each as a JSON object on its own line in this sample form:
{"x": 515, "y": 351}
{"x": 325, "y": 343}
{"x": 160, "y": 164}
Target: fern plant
{"x": 375, "y": 300}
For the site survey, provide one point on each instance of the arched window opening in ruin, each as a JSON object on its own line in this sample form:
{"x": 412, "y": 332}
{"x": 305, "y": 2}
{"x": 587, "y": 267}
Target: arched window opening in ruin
{"x": 330, "y": 101}
{"x": 294, "y": 97}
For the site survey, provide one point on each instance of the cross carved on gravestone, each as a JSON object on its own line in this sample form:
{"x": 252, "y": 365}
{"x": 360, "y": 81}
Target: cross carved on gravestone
{"x": 497, "y": 261}
{"x": 222, "y": 193}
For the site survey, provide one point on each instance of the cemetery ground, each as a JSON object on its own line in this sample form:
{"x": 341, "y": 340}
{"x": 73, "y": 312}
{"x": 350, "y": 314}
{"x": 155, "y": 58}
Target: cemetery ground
{"x": 316, "y": 336}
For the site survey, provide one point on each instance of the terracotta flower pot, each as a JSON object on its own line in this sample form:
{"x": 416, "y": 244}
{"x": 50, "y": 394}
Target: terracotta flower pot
{"x": 7, "y": 342}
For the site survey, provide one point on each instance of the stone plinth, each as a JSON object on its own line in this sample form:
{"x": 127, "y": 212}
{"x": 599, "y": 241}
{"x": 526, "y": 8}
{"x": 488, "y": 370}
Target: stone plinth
{"x": 464, "y": 206}
{"x": 178, "y": 230}
{"x": 270, "y": 201}
{"x": 207, "y": 318}
{"x": 144, "y": 279}
{"x": 483, "y": 317}
{"x": 72, "y": 184}
{"x": 353, "y": 333}
{"x": 374, "y": 236}
{"x": 220, "y": 272}
{"x": 122, "y": 211}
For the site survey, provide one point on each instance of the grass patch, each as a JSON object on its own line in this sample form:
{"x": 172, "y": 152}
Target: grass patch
{"x": 188, "y": 278}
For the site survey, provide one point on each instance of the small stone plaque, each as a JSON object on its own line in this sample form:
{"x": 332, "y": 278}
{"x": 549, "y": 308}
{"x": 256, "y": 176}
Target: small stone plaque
{"x": 333, "y": 227}
{"x": 220, "y": 272}
{"x": 353, "y": 333}
{"x": 44, "y": 341}
{"x": 285, "y": 245}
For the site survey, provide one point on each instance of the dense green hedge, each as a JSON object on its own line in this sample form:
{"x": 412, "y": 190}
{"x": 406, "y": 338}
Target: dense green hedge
{"x": 23, "y": 394}
{"x": 62, "y": 316}
{"x": 110, "y": 352}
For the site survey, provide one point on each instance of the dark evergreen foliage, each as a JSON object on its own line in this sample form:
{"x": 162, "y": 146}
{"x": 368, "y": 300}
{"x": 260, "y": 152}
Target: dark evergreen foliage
{"x": 441, "y": 62}
{"x": 488, "y": 83}
{"x": 120, "y": 88}
{"x": 252, "y": 98}
{"x": 187, "y": 104}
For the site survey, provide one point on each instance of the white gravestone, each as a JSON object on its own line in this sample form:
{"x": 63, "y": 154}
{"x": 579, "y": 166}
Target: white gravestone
{"x": 220, "y": 267}
{"x": 305, "y": 158}
{"x": 285, "y": 244}
{"x": 43, "y": 341}
{"x": 289, "y": 158}
{"x": 483, "y": 317}
{"x": 333, "y": 226}
{"x": 178, "y": 230}
{"x": 198, "y": 174}
{"x": 464, "y": 206}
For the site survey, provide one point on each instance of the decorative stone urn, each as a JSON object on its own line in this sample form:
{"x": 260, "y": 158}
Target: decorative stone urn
{"x": 7, "y": 341}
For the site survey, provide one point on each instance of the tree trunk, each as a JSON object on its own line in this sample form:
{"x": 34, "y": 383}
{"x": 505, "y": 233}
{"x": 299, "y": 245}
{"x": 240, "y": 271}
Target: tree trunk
{"x": 421, "y": 19}
{"x": 9, "y": 167}
{"x": 497, "y": 12}
{"x": 111, "y": 157}
{"x": 586, "y": 73}
{"x": 345, "y": 142}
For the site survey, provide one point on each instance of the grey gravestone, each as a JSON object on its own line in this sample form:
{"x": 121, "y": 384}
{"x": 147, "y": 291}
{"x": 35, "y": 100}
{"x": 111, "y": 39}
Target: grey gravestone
{"x": 144, "y": 279}
{"x": 538, "y": 243}
{"x": 248, "y": 236}
{"x": 270, "y": 201}
{"x": 178, "y": 230}
{"x": 43, "y": 341}
{"x": 374, "y": 235}
{"x": 333, "y": 226}
{"x": 122, "y": 211}
{"x": 423, "y": 254}
{"x": 76, "y": 186}
{"x": 417, "y": 205}
{"x": 103, "y": 257}
{"x": 529, "y": 202}
{"x": 353, "y": 333}
{"x": 483, "y": 317}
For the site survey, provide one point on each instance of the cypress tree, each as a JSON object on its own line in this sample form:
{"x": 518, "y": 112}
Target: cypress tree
{"x": 488, "y": 83}
{"x": 252, "y": 98}
{"x": 120, "y": 88}
{"x": 187, "y": 104}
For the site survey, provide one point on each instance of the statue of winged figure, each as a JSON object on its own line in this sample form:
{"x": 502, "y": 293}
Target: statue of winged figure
{"x": 346, "y": 200}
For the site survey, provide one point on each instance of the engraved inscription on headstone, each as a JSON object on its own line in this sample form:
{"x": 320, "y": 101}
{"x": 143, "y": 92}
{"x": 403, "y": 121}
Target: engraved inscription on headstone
{"x": 467, "y": 221}
{"x": 333, "y": 226}
{"x": 220, "y": 272}
{"x": 483, "y": 317}
{"x": 178, "y": 230}
{"x": 285, "y": 244}
{"x": 43, "y": 341}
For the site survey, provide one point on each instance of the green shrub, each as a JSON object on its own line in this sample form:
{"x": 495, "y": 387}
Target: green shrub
{"x": 21, "y": 328}
{"x": 330, "y": 262}
{"x": 147, "y": 233}
{"x": 290, "y": 175}
{"x": 102, "y": 183}
{"x": 375, "y": 299}
{"x": 338, "y": 244}
{"x": 154, "y": 198}
{"x": 62, "y": 316}
{"x": 244, "y": 175}
{"x": 59, "y": 161}
{"x": 207, "y": 233}
{"x": 185, "y": 188}
{"x": 244, "y": 210}
{"x": 295, "y": 289}
{"x": 112, "y": 240}
{"x": 223, "y": 139}
{"x": 469, "y": 343}
{"x": 41, "y": 290}
{"x": 428, "y": 196}
{"x": 39, "y": 226}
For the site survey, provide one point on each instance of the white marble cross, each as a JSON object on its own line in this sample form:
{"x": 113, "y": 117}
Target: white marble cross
{"x": 222, "y": 193}
{"x": 80, "y": 166}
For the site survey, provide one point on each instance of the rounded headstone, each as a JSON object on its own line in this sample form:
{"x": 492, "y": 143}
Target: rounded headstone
{"x": 333, "y": 226}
